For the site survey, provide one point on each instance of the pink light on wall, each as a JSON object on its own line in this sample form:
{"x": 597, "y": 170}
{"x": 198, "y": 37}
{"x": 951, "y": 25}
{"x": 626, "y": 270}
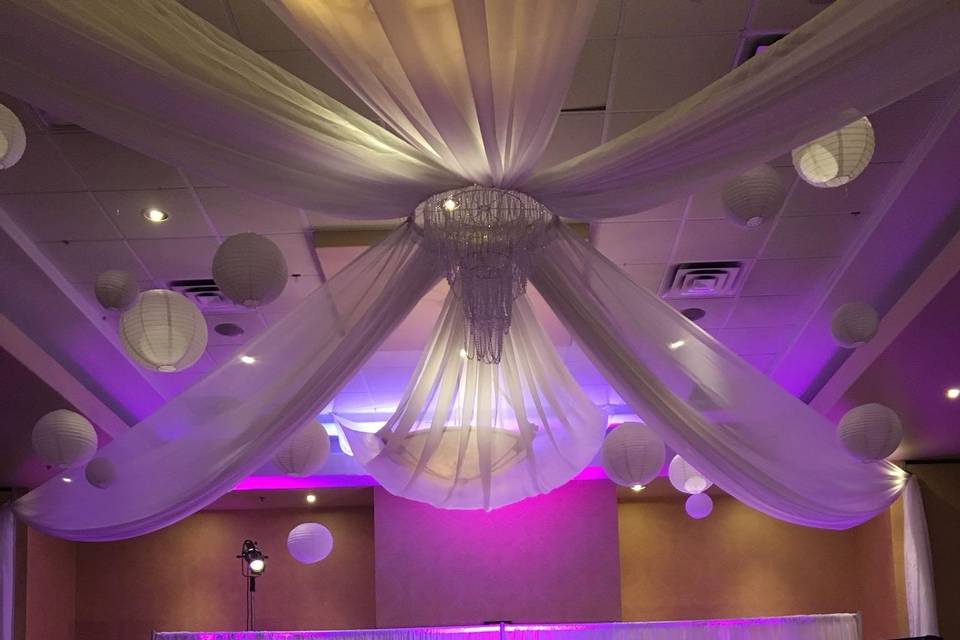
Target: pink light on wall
{"x": 261, "y": 483}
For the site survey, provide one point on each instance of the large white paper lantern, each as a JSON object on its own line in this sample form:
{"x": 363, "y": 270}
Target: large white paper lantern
{"x": 13, "y": 139}
{"x": 870, "y": 432}
{"x": 753, "y": 197}
{"x": 305, "y": 452}
{"x": 250, "y": 269}
{"x": 163, "y": 331}
{"x": 116, "y": 290}
{"x": 632, "y": 454}
{"x": 64, "y": 439}
{"x": 698, "y": 506}
{"x": 837, "y": 158}
{"x": 309, "y": 542}
{"x": 854, "y": 324}
{"x": 685, "y": 478}
{"x": 100, "y": 472}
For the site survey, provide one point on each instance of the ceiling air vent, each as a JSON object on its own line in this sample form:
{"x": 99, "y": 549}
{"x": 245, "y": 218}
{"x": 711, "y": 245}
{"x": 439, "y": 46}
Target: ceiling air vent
{"x": 206, "y": 294}
{"x": 704, "y": 280}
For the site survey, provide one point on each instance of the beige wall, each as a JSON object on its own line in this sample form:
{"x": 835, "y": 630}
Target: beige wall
{"x": 50, "y": 587}
{"x": 738, "y": 563}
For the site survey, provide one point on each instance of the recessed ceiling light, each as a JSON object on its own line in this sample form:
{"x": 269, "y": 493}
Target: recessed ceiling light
{"x": 155, "y": 215}
{"x": 953, "y": 393}
{"x": 67, "y": 480}
{"x": 311, "y": 498}
{"x": 673, "y": 346}
{"x": 247, "y": 359}
{"x": 637, "y": 488}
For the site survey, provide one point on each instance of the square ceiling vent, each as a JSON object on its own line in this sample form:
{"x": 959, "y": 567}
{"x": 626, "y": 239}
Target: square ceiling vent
{"x": 206, "y": 295}
{"x": 704, "y": 280}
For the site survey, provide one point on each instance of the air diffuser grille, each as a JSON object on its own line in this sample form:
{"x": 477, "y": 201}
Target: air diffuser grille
{"x": 704, "y": 280}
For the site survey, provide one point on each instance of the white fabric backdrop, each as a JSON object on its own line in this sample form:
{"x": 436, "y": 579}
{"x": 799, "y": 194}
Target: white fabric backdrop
{"x": 469, "y": 435}
{"x": 8, "y": 562}
{"x": 199, "y": 445}
{"x": 918, "y": 564}
{"x": 478, "y": 85}
{"x": 740, "y": 429}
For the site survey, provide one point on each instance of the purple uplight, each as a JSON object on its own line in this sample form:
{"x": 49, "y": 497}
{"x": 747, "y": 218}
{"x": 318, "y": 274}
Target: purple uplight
{"x": 259, "y": 483}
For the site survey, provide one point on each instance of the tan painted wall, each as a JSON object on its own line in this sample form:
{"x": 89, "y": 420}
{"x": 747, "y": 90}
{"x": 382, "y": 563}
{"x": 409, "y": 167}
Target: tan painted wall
{"x": 739, "y": 563}
{"x": 50, "y": 587}
{"x": 187, "y": 577}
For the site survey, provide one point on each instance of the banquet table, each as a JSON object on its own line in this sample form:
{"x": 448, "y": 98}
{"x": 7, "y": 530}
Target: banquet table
{"x": 839, "y": 626}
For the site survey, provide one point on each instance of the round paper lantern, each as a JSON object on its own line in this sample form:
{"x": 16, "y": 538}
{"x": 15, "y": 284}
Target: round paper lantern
{"x": 163, "y": 331}
{"x": 753, "y": 197}
{"x": 100, "y": 472}
{"x": 250, "y": 269}
{"x": 870, "y": 432}
{"x": 309, "y": 542}
{"x": 632, "y": 454}
{"x": 698, "y": 506}
{"x": 836, "y": 158}
{"x": 305, "y": 452}
{"x": 13, "y": 139}
{"x": 64, "y": 439}
{"x": 854, "y": 324}
{"x": 116, "y": 290}
{"x": 685, "y": 478}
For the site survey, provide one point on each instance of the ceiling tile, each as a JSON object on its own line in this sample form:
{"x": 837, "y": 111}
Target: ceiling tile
{"x": 657, "y": 73}
{"x": 248, "y": 321}
{"x": 636, "y": 242}
{"x": 670, "y": 211}
{"x": 297, "y": 248}
{"x": 41, "y": 168}
{"x": 942, "y": 89}
{"x": 293, "y": 294}
{"x": 400, "y": 359}
{"x": 380, "y": 379}
{"x": 177, "y": 258}
{"x": 260, "y": 29}
{"x": 106, "y": 165}
{"x": 761, "y": 361}
{"x": 606, "y": 19}
{"x": 84, "y": 261}
{"x": 233, "y": 211}
{"x": 59, "y": 216}
{"x": 213, "y": 11}
{"x": 783, "y": 15}
{"x": 591, "y": 78}
{"x": 717, "y": 309}
{"x": 858, "y": 195}
{"x": 414, "y": 331}
{"x": 221, "y": 353}
{"x": 813, "y": 236}
{"x": 788, "y": 277}
{"x": 305, "y": 65}
{"x": 126, "y": 210}
{"x": 767, "y": 311}
{"x": 718, "y": 240}
{"x": 707, "y": 203}
{"x": 681, "y": 17}
{"x": 756, "y": 340}
{"x": 898, "y": 127}
{"x": 574, "y": 134}
{"x": 622, "y": 122}
{"x": 334, "y": 259}
{"x": 648, "y": 276}
{"x": 353, "y": 403}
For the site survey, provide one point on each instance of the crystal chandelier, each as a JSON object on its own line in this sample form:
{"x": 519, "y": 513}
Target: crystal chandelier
{"x": 484, "y": 239}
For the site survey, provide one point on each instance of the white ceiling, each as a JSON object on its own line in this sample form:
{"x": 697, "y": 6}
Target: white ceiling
{"x": 79, "y": 197}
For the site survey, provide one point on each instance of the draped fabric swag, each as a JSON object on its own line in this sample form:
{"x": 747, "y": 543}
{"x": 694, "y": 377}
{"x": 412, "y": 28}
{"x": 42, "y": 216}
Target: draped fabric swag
{"x": 472, "y": 88}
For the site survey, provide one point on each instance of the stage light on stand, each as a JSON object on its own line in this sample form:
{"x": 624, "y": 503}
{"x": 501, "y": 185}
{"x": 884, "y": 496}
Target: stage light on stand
{"x": 253, "y": 563}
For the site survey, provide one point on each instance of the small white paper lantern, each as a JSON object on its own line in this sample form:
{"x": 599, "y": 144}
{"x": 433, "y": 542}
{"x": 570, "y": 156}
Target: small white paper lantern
{"x": 753, "y": 197}
{"x": 854, "y": 324}
{"x": 305, "y": 452}
{"x": 163, "y": 331}
{"x": 100, "y": 472}
{"x": 309, "y": 542}
{"x": 685, "y": 478}
{"x": 836, "y": 158}
{"x": 64, "y": 439}
{"x": 698, "y": 506}
{"x": 250, "y": 269}
{"x": 13, "y": 139}
{"x": 116, "y": 290}
{"x": 870, "y": 432}
{"x": 632, "y": 454}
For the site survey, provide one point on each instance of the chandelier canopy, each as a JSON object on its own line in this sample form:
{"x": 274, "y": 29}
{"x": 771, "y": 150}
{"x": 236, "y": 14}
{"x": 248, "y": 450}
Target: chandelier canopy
{"x": 484, "y": 238}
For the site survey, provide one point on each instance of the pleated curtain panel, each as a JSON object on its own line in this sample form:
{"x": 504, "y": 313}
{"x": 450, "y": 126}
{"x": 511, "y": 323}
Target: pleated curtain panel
{"x": 471, "y": 90}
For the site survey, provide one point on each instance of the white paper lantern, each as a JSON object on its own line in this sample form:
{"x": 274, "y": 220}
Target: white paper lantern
{"x": 309, "y": 542}
{"x": 698, "y": 506}
{"x": 753, "y": 197}
{"x": 100, "y": 472}
{"x": 685, "y": 478}
{"x": 854, "y": 324}
{"x": 305, "y": 452}
{"x": 836, "y": 158}
{"x": 250, "y": 269}
{"x": 13, "y": 139}
{"x": 64, "y": 439}
{"x": 116, "y": 290}
{"x": 870, "y": 432}
{"x": 163, "y": 331}
{"x": 632, "y": 454}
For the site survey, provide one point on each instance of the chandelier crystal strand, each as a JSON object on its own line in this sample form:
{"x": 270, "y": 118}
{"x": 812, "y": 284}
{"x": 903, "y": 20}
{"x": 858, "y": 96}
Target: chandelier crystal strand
{"x": 484, "y": 239}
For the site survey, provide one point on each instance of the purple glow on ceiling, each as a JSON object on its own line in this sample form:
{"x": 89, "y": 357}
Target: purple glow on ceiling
{"x": 259, "y": 483}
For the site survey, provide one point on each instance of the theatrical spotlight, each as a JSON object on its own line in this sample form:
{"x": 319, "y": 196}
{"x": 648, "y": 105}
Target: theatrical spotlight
{"x": 252, "y": 565}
